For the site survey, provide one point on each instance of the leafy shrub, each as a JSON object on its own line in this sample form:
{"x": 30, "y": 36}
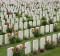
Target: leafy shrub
{"x": 19, "y": 52}
{"x": 9, "y": 30}
{"x": 56, "y": 9}
{"x": 28, "y": 26}
{"x": 14, "y": 40}
{"x": 44, "y": 23}
{"x": 50, "y": 21}
{"x": 29, "y": 19}
{"x": 43, "y": 18}
{"x": 17, "y": 40}
{"x": 49, "y": 46}
{"x": 35, "y": 32}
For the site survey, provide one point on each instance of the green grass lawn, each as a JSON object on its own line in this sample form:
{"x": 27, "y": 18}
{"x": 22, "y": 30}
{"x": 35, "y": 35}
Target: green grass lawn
{"x": 3, "y": 49}
{"x": 53, "y": 52}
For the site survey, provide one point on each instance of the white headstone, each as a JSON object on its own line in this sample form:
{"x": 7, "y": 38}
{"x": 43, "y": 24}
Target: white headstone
{"x": 34, "y": 23}
{"x": 1, "y": 39}
{"x": 42, "y": 43}
{"x": 21, "y": 25}
{"x": 38, "y": 22}
{"x": 42, "y": 30}
{"x": 54, "y": 38}
{"x": 16, "y": 26}
{"x": 10, "y": 51}
{"x": 4, "y": 28}
{"x": 21, "y": 35}
{"x": 35, "y": 45}
{"x": 28, "y": 48}
{"x": 25, "y": 25}
{"x": 6, "y": 39}
{"x": 26, "y": 33}
{"x": 30, "y": 22}
{"x": 31, "y": 34}
{"x": 51, "y": 27}
{"x": 58, "y": 35}
{"x": 48, "y": 39}
{"x": 47, "y": 28}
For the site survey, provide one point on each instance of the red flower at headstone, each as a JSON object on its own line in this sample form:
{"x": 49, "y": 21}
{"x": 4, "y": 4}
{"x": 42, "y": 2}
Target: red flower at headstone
{"x": 12, "y": 49}
{"x": 22, "y": 47}
{"x": 32, "y": 28}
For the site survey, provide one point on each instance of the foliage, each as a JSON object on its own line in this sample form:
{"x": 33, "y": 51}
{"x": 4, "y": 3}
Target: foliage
{"x": 48, "y": 45}
{"x": 9, "y": 30}
{"x": 13, "y": 40}
{"x": 44, "y": 23}
{"x": 19, "y": 52}
{"x": 29, "y": 19}
{"x": 28, "y": 26}
{"x": 56, "y": 9}
{"x": 50, "y": 21}
{"x": 35, "y": 32}
{"x": 17, "y": 40}
{"x": 43, "y": 18}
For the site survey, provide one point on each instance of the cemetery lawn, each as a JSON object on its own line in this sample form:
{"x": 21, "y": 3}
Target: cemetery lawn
{"x": 53, "y": 52}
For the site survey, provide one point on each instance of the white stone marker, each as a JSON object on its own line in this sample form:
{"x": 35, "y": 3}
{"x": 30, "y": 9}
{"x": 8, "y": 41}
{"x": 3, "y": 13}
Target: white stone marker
{"x": 31, "y": 34}
{"x": 28, "y": 48}
{"x": 58, "y": 35}
{"x": 21, "y": 25}
{"x": 54, "y": 38}
{"x": 3, "y": 22}
{"x": 12, "y": 21}
{"x": 54, "y": 20}
{"x": 10, "y": 51}
{"x": 20, "y": 35}
{"x": 35, "y": 45}
{"x": 8, "y": 21}
{"x": 25, "y": 25}
{"x": 47, "y": 28}
{"x": 58, "y": 19}
{"x": 38, "y": 22}
{"x": 48, "y": 39}
{"x": 51, "y": 27}
{"x": 30, "y": 22}
{"x": 34, "y": 23}
{"x": 16, "y": 26}
{"x": 42, "y": 30}
{"x": 4, "y": 28}
{"x": 6, "y": 39}
{"x": 26, "y": 33}
{"x": 42, "y": 43}
{"x": 1, "y": 39}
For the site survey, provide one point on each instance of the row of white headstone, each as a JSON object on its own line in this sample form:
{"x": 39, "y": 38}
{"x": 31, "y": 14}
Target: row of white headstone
{"x": 22, "y": 26}
{"x": 28, "y": 33}
{"x": 36, "y": 45}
